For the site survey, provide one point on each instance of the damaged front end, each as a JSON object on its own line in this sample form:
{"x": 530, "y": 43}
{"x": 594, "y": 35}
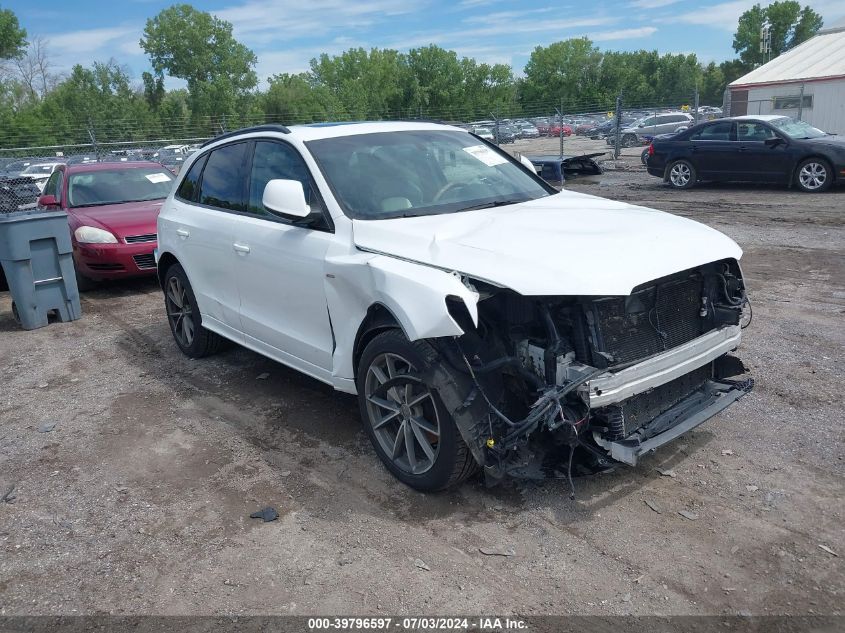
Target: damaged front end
{"x": 541, "y": 379}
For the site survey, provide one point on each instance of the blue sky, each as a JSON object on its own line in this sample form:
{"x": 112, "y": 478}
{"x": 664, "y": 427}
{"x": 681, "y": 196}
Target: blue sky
{"x": 286, "y": 34}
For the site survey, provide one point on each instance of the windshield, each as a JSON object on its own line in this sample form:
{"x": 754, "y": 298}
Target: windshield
{"x": 796, "y": 129}
{"x": 420, "y": 172}
{"x": 38, "y": 169}
{"x": 95, "y": 188}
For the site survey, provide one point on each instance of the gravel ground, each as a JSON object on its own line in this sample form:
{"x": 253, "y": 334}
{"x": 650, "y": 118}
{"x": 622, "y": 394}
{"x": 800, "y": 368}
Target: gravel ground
{"x": 137, "y": 501}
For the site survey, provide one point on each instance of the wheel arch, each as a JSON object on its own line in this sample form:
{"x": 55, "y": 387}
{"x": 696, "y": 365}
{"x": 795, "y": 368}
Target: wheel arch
{"x": 165, "y": 261}
{"x": 378, "y": 319}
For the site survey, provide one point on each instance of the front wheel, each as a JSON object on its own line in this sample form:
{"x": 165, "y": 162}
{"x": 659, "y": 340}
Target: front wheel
{"x": 183, "y": 314}
{"x": 412, "y": 432}
{"x": 681, "y": 174}
{"x": 644, "y": 157}
{"x": 629, "y": 140}
{"x": 814, "y": 175}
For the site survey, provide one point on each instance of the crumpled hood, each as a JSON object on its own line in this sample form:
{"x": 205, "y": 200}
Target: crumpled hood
{"x": 565, "y": 244}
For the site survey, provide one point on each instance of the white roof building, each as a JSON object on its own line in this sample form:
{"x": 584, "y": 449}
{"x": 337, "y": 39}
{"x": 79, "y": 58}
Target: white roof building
{"x": 807, "y": 82}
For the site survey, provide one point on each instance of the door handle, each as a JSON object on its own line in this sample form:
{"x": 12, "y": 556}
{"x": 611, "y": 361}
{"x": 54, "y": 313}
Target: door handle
{"x": 182, "y": 232}
{"x": 240, "y": 248}
{"x": 742, "y": 148}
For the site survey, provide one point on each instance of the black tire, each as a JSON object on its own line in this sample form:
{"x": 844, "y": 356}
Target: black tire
{"x": 185, "y": 320}
{"x": 644, "y": 157}
{"x": 83, "y": 283}
{"x": 681, "y": 174}
{"x": 629, "y": 140}
{"x": 451, "y": 462}
{"x": 814, "y": 175}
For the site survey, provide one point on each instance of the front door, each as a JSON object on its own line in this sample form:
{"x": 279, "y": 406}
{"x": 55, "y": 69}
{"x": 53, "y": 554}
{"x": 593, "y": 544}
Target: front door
{"x": 757, "y": 160}
{"x": 280, "y": 269}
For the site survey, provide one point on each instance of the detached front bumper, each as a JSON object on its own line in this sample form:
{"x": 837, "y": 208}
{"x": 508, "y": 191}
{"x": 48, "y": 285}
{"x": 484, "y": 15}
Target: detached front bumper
{"x": 694, "y": 410}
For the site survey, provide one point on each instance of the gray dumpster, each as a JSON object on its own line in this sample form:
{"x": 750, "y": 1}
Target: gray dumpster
{"x": 37, "y": 258}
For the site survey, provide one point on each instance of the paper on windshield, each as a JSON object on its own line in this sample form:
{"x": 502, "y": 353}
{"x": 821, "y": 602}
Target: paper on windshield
{"x": 157, "y": 178}
{"x": 485, "y": 155}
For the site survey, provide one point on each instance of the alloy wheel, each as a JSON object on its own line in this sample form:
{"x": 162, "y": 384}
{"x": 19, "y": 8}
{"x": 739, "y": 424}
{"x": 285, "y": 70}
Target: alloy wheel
{"x": 402, "y": 414}
{"x": 179, "y": 312}
{"x": 680, "y": 174}
{"x": 813, "y": 175}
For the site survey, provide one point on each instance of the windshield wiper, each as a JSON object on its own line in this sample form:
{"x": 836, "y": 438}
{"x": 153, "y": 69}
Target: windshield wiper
{"x": 489, "y": 205}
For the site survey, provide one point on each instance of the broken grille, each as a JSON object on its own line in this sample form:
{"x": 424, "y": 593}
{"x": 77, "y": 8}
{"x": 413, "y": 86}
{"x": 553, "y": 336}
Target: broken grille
{"x": 651, "y": 320}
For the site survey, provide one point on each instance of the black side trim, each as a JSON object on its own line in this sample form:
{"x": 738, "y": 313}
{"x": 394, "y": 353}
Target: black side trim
{"x": 269, "y": 127}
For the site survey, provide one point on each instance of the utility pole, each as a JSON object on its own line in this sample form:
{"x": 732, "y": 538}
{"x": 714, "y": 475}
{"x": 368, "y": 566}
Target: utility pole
{"x": 560, "y": 119}
{"x": 616, "y": 148}
{"x": 801, "y": 103}
{"x": 695, "y": 106}
{"x": 93, "y": 138}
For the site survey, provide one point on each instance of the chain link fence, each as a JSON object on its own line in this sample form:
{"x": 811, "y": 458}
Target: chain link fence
{"x": 25, "y": 168}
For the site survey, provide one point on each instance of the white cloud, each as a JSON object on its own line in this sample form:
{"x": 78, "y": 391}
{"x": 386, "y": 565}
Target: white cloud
{"x": 652, "y": 4}
{"x": 623, "y": 34}
{"x": 92, "y": 40}
{"x": 261, "y": 21}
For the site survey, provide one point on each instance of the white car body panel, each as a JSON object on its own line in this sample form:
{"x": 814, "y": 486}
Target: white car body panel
{"x": 565, "y": 244}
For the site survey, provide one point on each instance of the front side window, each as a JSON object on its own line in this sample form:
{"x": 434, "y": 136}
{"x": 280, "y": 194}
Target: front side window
{"x": 115, "y": 186}
{"x": 420, "y": 172}
{"x": 753, "y": 132}
{"x": 224, "y": 176}
{"x": 54, "y": 186}
{"x": 271, "y": 161}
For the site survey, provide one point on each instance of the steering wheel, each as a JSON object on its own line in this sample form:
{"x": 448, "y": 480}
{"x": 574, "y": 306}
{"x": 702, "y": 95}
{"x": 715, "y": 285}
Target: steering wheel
{"x": 449, "y": 186}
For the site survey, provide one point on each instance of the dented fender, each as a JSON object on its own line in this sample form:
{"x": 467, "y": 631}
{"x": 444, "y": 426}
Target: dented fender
{"x": 415, "y": 294}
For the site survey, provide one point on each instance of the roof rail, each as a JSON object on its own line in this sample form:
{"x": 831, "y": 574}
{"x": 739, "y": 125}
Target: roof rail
{"x": 267, "y": 127}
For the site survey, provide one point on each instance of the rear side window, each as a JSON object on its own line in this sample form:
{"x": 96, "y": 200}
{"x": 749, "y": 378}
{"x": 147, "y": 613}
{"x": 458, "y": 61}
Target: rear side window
{"x": 189, "y": 188}
{"x": 715, "y": 132}
{"x": 224, "y": 177}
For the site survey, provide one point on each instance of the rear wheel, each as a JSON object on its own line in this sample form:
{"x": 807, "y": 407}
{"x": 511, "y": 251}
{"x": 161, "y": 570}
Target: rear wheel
{"x": 681, "y": 174}
{"x": 410, "y": 429}
{"x": 814, "y": 175}
{"x": 183, "y": 314}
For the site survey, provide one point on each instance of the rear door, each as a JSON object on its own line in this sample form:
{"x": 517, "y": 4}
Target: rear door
{"x": 201, "y": 228}
{"x": 280, "y": 268}
{"x": 711, "y": 151}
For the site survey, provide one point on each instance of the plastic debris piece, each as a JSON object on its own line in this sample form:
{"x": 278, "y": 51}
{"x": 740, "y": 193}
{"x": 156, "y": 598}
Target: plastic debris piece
{"x": 265, "y": 514}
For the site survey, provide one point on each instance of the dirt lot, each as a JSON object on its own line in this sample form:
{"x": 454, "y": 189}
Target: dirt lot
{"x": 138, "y": 500}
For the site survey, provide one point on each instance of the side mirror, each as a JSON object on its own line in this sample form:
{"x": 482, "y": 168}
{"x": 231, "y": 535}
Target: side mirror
{"x": 773, "y": 142}
{"x": 286, "y": 198}
{"x": 48, "y": 202}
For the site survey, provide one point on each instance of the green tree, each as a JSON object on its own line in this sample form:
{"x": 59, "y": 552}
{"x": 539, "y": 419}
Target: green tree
{"x": 199, "y": 48}
{"x": 364, "y": 84}
{"x": 293, "y": 99}
{"x": 12, "y": 36}
{"x": 569, "y": 70}
{"x": 789, "y": 25}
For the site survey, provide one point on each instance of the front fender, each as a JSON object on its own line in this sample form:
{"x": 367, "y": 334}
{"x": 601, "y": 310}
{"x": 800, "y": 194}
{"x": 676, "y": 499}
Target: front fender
{"x": 414, "y": 293}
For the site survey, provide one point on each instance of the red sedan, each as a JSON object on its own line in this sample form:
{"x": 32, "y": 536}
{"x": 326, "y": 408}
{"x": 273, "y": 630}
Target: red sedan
{"x": 112, "y": 210}
{"x": 554, "y": 129}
